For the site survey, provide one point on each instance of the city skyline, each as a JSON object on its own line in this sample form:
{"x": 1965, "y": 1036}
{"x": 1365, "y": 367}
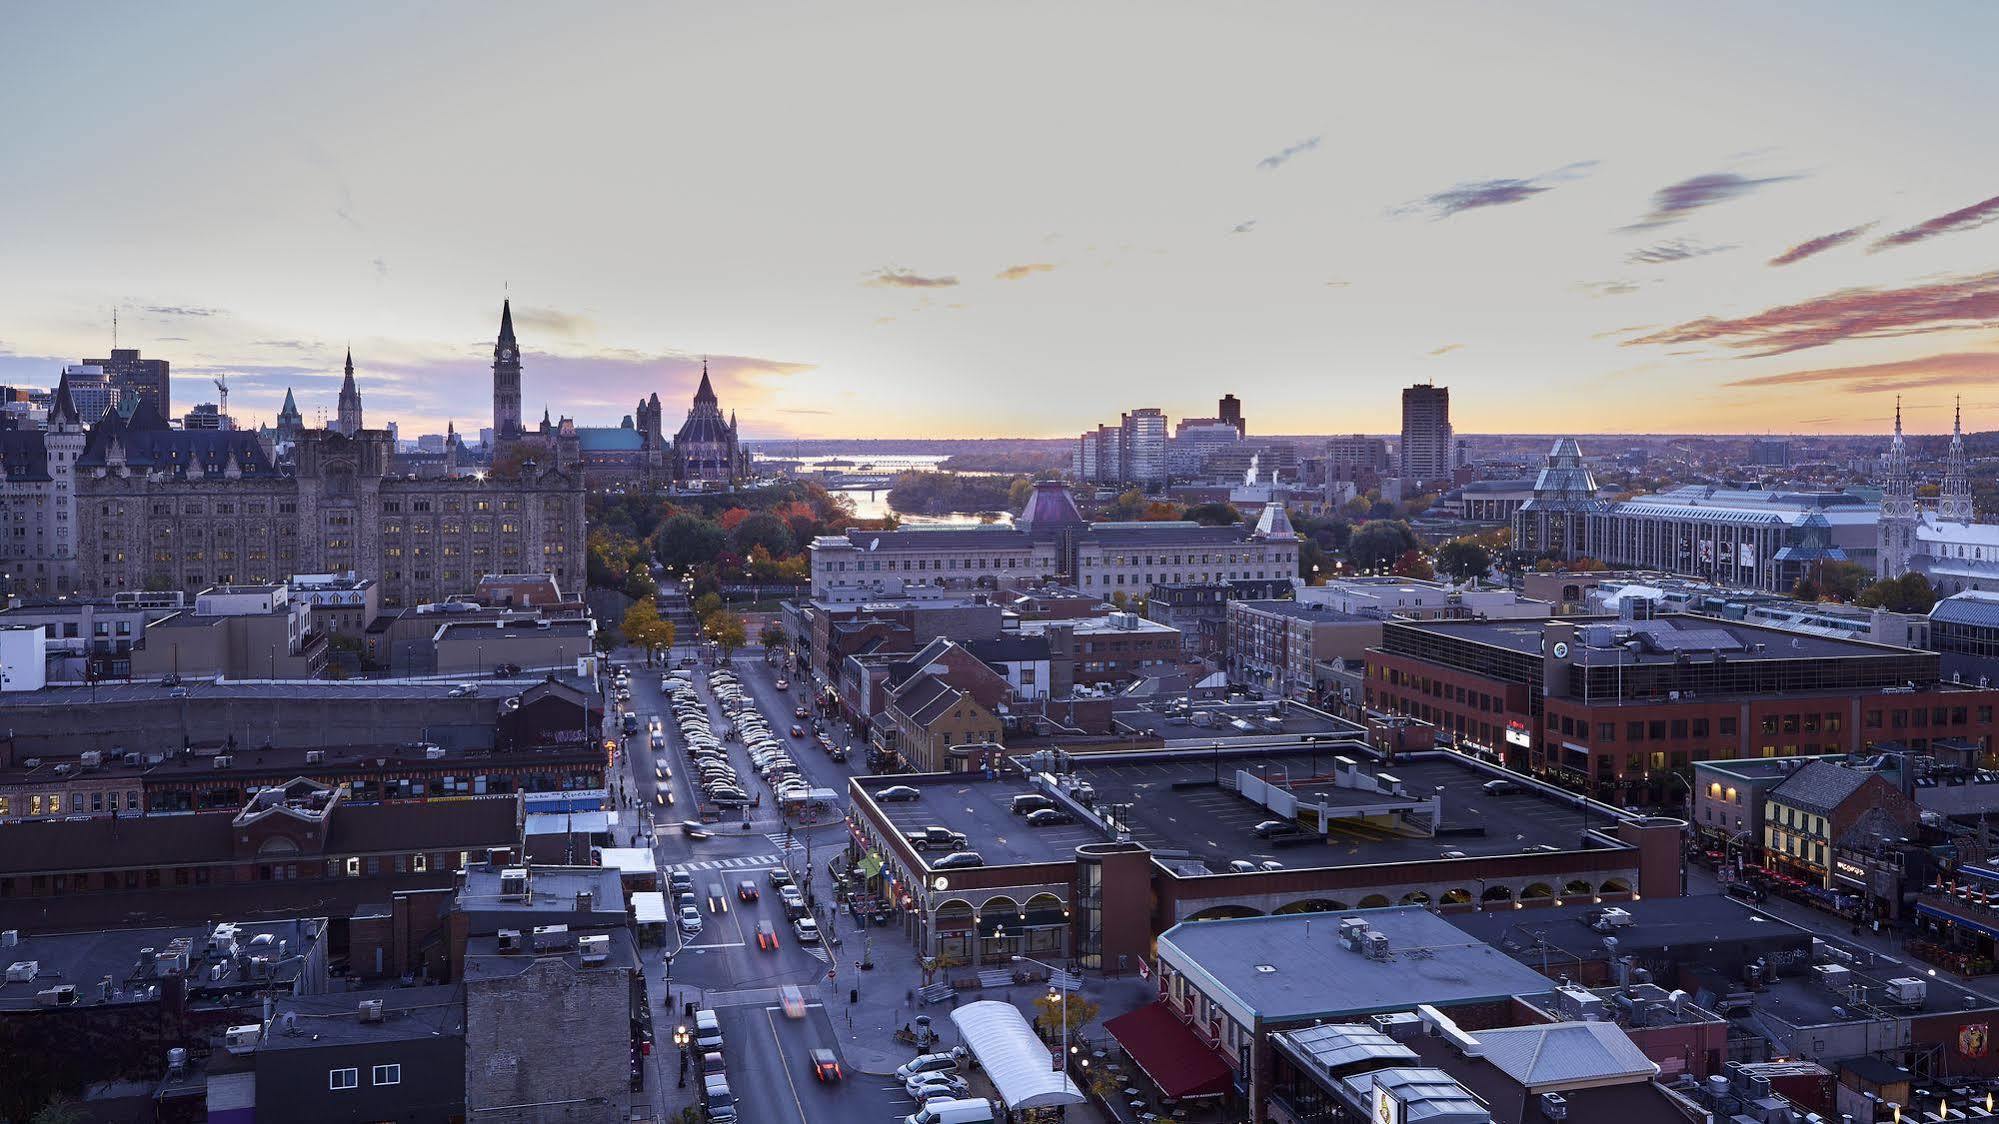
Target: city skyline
{"x": 871, "y": 235}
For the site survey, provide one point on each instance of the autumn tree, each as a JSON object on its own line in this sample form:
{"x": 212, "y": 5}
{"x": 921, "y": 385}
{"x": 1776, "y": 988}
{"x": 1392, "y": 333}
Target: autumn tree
{"x": 728, "y": 632}
{"x": 1049, "y": 1009}
{"x": 645, "y": 629}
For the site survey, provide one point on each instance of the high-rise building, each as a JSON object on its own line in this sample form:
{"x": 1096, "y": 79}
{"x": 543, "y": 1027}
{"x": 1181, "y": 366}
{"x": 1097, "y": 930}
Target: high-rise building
{"x": 1230, "y": 411}
{"x": 1194, "y": 444}
{"x": 506, "y": 377}
{"x": 1099, "y": 457}
{"x": 1142, "y": 446}
{"x": 91, "y": 391}
{"x": 148, "y": 377}
{"x": 1770, "y": 452}
{"x": 1357, "y": 453}
{"x": 205, "y": 415}
{"x": 1426, "y": 433}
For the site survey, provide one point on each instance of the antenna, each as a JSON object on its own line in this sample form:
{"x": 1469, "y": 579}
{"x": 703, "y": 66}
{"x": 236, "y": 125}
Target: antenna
{"x": 114, "y": 327}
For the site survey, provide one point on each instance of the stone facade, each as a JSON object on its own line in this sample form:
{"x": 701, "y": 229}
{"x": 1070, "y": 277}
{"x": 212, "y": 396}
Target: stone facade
{"x": 38, "y": 502}
{"x": 551, "y": 1043}
{"x": 169, "y": 509}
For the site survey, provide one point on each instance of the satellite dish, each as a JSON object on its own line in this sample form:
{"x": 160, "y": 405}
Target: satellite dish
{"x": 873, "y": 543}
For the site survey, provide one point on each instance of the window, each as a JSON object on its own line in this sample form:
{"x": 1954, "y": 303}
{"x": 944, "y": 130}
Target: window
{"x": 388, "y": 1074}
{"x": 337, "y": 1079}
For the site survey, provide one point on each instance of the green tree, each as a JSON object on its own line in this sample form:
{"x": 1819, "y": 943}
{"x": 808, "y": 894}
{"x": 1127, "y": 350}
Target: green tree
{"x": 1216, "y": 514}
{"x": 1464, "y": 560}
{"x": 688, "y": 540}
{"x": 1378, "y": 543}
{"x": 1018, "y": 493}
{"x": 646, "y": 629}
{"x": 1841, "y": 581}
{"x": 762, "y": 529}
{"x": 728, "y": 632}
{"x": 707, "y": 605}
{"x": 772, "y": 635}
{"x": 1910, "y": 593}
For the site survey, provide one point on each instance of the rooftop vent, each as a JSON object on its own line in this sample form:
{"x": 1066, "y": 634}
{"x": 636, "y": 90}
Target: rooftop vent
{"x": 1554, "y": 1106}
{"x": 371, "y": 1010}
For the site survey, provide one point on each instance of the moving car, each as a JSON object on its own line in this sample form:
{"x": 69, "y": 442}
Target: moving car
{"x": 766, "y": 936}
{"x": 747, "y": 890}
{"x": 792, "y": 1000}
{"x": 800, "y": 713}
{"x": 718, "y": 900}
{"x": 825, "y": 1066}
{"x": 784, "y": 684}
{"x": 797, "y": 731}
{"x": 898, "y": 792}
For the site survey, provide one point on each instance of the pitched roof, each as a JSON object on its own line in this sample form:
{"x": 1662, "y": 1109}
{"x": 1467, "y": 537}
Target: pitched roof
{"x": 24, "y": 455}
{"x": 1820, "y": 786}
{"x": 1554, "y": 1056}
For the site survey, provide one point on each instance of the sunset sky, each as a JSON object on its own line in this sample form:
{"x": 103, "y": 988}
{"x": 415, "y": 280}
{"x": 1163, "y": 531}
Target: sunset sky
{"x": 1017, "y": 219}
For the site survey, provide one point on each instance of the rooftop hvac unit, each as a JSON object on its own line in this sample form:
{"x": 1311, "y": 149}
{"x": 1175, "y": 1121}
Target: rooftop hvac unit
{"x": 61, "y": 995}
{"x": 260, "y": 967}
{"x": 222, "y": 940}
{"x": 510, "y": 940}
{"x": 23, "y": 971}
{"x": 315, "y": 757}
{"x": 10, "y": 938}
{"x": 1377, "y": 945}
{"x": 242, "y": 1039}
{"x": 1399, "y": 1025}
{"x": 371, "y": 1010}
{"x": 1614, "y": 918}
{"x": 433, "y": 753}
{"x": 223, "y": 761}
{"x": 595, "y": 949}
{"x": 91, "y": 759}
{"x": 1909, "y": 990}
{"x": 177, "y": 1060}
{"x": 514, "y": 882}
{"x": 1554, "y": 1106}
{"x": 1836, "y": 977}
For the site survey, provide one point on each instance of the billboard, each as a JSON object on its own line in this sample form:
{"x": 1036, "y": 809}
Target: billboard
{"x": 1747, "y": 553}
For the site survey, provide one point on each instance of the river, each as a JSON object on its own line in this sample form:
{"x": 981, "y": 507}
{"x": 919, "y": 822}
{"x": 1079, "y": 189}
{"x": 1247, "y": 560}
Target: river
{"x": 874, "y": 505}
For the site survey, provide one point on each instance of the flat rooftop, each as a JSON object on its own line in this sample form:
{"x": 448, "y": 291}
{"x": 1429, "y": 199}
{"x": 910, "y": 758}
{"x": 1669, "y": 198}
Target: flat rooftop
{"x": 304, "y": 690}
{"x": 1662, "y": 640}
{"x": 286, "y": 762}
{"x": 1314, "y": 611}
{"x": 1172, "y": 811}
{"x": 1157, "y": 718}
{"x": 1291, "y": 968}
{"x": 408, "y": 1013}
{"x": 82, "y": 960}
{"x": 1178, "y": 811}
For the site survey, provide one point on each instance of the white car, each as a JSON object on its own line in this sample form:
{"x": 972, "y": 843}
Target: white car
{"x": 807, "y": 930}
{"x": 690, "y": 920}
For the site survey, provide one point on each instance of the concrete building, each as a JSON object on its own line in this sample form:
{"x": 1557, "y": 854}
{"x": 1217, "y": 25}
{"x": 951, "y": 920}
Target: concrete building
{"x": 1142, "y": 444}
{"x": 1200, "y": 609}
{"x": 341, "y": 604}
{"x": 23, "y": 657}
{"x": 145, "y": 378}
{"x": 1110, "y": 649}
{"x": 1426, "y": 451}
{"x": 1194, "y": 444}
{"x": 38, "y": 525}
{"x": 475, "y": 648}
{"x": 90, "y": 638}
{"x": 234, "y": 632}
{"x": 1420, "y": 599}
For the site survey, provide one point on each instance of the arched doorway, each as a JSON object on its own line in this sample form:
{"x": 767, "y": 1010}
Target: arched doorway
{"x": 1416, "y": 897}
{"x": 954, "y": 922}
{"x": 1374, "y": 901}
{"x": 1311, "y": 905}
{"x": 999, "y": 930}
{"x": 1537, "y": 890}
{"x": 1045, "y": 928}
{"x": 1224, "y": 912}
{"x": 1496, "y": 894}
{"x": 1616, "y": 886}
{"x": 1577, "y": 888}
{"x": 1459, "y": 896}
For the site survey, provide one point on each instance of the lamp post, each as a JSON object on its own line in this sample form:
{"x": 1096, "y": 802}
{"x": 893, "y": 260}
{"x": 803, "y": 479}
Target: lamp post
{"x": 1061, "y": 1000}
{"x": 681, "y": 1038}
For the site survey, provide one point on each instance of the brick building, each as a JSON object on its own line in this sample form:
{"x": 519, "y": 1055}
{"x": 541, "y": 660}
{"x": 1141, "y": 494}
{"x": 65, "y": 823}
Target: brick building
{"x": 1615, "y": 708}
{"x": 1806, "y": 816}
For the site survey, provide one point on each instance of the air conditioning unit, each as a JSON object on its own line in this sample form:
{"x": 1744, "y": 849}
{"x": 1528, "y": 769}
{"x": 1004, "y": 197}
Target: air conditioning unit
{"x": 224, "y": 761}
{"x": 510, "y": 940}
{"x": 514, "y": 883}
{"x": 315, "y": 757}
{"x": 433, "y": 753}
{"x": 1909, "y": 990}
{"x": 91, "y": 759}
{"x": 1377, "y": 945}
{"x": 23, "y": 971}
{"x": 1554, "y": 1106}
{"x": 371, "y": 1010}
{"x": 1614, "y": 918}
{"x": 1836, "y": 977}
{"x": 595, "y": 948}
{"x": 242, "y": 1039}
{"x": 177, "y": 1060}
{"x": 10, "y": 938}
{"x": 61, "y": 995}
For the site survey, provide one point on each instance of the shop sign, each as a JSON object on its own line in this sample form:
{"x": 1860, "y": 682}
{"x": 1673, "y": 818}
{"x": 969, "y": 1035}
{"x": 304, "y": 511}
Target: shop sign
{"x": 1849, "y": 871}
{"x": 1516, "y": 734}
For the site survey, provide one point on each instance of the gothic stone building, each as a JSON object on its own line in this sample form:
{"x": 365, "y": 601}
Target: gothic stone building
{"x": 173, "y": 509}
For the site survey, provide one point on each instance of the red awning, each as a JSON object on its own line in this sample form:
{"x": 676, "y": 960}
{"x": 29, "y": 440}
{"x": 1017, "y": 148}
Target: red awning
{"x": 1166, "y": 1049}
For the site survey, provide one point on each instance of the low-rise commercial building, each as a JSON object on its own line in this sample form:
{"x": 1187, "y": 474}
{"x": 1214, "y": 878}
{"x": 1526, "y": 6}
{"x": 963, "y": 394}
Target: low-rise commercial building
{"x": 234, "y": 632}
{"x": 477, "y": 648}
{"x": 1277, "y": 645}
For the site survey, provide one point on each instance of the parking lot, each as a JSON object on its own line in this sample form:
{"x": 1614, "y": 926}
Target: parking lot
{"x": 1215, "y": 826}
{"x": 1295, "y": 722}
{"x": 982, "y": 810}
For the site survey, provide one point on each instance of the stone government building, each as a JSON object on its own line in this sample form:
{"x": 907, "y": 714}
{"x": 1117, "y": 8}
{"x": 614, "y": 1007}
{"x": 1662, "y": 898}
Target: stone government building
{"x": 164, "y": 508}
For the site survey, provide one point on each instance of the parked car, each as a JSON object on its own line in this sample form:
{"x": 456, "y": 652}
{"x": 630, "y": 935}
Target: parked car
{"x": 957, "y": 859}
{"x": 1499, "y": 787}
{"x": 898, "y": 792}
{"x": 941, "y": 837}
{"x": 690, "y": 920}
{"x": 1030, "y": 802}
{"x": 807, "y": 930}
{"x": 1048, "y": 817}
{"x": 1268, "y": 828}
{"x": 944, "y": 1061}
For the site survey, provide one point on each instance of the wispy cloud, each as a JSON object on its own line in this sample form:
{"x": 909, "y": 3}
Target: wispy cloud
{"x": 1279, "y": 158}
{"x": 1676, "y": 201}
{"x": 1966, "y": 218}
{"x": 1948, "y": 369}
{"x": 1859, "y": 313}
{"x": 1813, "y": 246}
{"x": 1616, "y": 288}
{"x": 1474, "y": 194}
{"x": 181, "y": 310}
{"x": 381, "y": 269}
{"x": 1339, "y": 284}
{"x": 1243, "y": 227}
{"x": 1021, "y": 272}
{"x": 1679, "y": 249}
{"x": 289, "y": 345}
{"x": 555, "y": 321}
{"x": 899, "y": 278}
{"x": 1446, "y": 349}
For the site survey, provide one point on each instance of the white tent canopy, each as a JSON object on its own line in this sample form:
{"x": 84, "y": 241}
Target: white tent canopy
{"x": 1021, "y": 1067}
{"x": 649, "y": 907}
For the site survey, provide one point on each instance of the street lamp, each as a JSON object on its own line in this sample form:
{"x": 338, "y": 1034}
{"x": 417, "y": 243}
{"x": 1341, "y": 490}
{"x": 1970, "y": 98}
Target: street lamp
{"x": 1060, "y": 997}
{"x": 681, "y": 1037}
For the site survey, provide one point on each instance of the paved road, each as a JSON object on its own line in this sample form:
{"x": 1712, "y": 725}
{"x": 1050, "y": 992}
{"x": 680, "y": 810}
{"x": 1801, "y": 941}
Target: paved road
{"x": 722, "y": 967}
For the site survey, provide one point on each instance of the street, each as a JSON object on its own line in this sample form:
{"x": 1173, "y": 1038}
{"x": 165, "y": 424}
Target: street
{"x": 722, "y": 967}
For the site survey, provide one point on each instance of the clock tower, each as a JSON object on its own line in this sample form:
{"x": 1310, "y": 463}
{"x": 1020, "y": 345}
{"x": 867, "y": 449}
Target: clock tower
{"x": 506, "y": 378}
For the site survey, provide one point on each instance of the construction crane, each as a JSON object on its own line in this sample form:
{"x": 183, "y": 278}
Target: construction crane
{"x": 222, "y": 409}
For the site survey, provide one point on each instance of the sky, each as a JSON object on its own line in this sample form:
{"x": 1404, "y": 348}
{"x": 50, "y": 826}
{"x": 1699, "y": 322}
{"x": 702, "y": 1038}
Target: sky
{"x": 1018, "y": 219}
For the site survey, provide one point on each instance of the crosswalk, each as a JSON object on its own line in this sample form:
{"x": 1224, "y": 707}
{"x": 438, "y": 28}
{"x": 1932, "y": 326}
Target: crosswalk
{"x": 739, "y": 862}
{"x": 784, "y": 845}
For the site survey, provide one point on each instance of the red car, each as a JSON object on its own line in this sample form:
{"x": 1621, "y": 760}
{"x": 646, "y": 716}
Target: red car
{"x": 797, "y": 731}
{"x": 747, "y": 891}
{"x": 766, "y": 936}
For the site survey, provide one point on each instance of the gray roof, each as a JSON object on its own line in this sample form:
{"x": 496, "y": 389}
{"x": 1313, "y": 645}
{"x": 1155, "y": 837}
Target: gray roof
{"x": 1554, "y": 1055}
{"x": 1333, "y": 1045}
{"x": 1426, "y": 1094}
{"x": 1977, "y": 609}
{"x": 437, "y": 1010}
{"x": 1430, "y": 961}
{"x": 1820, "y": 786}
